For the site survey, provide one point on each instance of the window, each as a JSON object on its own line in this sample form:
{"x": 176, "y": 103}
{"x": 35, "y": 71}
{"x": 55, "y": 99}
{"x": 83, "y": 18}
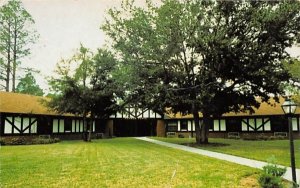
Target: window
{"x": 77, "y": 126}
{"x": 172, "y": 126}
{"x": 295, "y": 124}
{"x": 20, "y": 125}
{"x": 58, "y": 126}
{"x": 7, "y": 125}
{"x": 219, "y": 125}
{"x": 183, "y": 125}
{"x": 256, "y": 124}
{"x": 68, "y": 127}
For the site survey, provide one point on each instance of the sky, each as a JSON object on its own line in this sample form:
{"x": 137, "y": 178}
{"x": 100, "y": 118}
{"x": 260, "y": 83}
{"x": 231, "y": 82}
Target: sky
{"x": 62, "y": 25}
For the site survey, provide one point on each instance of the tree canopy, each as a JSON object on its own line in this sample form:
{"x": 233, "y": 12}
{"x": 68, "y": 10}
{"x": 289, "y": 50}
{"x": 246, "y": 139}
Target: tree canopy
{"x": 207, "y": 56}
{"x": 84, "y": 86}
{"x": 16, "y": 33}
{"x": 28, "y": 85}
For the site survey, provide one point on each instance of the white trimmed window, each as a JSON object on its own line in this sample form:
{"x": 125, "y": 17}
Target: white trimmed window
{"x": 77, "y": 126}
{"x": 256, "y": 124}
{"x": 295, "y": 124}
{"x": 219, "y": 125}
{"x": 7, "y": 125}
{"x": 58, "y": 126}
{"x": 20, "y": 125}
{"x": 172, "y": 126}
{"x": 183, "y": 125}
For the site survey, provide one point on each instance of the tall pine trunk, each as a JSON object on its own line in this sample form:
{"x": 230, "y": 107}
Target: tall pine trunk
{"x": 8, "y": 66}
{"x": 7, "y": 80}
{"x": 15, "y": 37}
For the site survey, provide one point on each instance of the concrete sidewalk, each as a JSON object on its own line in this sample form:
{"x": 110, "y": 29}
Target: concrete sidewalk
{"x": 221, "y": 156}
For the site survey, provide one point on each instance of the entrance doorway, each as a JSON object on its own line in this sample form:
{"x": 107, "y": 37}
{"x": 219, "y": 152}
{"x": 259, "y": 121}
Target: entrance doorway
{"x": 134, "y": 127}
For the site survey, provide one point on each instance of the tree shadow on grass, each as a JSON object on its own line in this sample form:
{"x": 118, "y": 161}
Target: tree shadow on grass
{"x": 209, "y": 145}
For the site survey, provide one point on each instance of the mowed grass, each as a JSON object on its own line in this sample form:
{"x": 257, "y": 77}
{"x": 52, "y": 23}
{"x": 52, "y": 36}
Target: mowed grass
{"x": 259, "y": 150}
{"x": 119, "y": 162}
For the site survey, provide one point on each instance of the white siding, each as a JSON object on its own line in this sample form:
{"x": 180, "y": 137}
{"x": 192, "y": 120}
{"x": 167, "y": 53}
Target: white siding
{"x": 178, "y": 126}
{"x": 146, "y": 114}
{"x": 152, "y": 114}
{"x": 119, "y": 115}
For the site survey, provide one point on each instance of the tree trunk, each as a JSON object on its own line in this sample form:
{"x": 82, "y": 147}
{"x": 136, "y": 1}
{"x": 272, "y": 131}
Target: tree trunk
{"x": 197, "y": 126}
{"x": 91, "y": 121}
{"x": 14, "y": 75}
{"x": 14, "y": 59}
{"x": 7, "y": 73}
{"x": 205, "y": 129}
{"x": 84, "y": 128}
{"x": 8, "y": 66}
{"x": 202, "y": 130}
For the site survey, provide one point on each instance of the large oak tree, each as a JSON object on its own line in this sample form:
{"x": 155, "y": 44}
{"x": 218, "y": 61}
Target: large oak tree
{"x": 204, "y": 56}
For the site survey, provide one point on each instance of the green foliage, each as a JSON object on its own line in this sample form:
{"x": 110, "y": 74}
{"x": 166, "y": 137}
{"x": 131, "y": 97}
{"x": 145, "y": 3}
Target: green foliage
{"x": 88, "y": 88}
{"x": 16, "y": 33}
{"x": 73, "y": 94}
{"x": 28, "y": 85}
{"x": 269, "y": 181}
{"x": 271, "y": 176}
{"x": 19, "y": 140}
{"x": 208, "y": 56}
{"x": 292, "y": 87}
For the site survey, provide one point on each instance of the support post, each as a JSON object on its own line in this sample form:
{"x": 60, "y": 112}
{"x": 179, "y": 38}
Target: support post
{"x": 292, "y": 153}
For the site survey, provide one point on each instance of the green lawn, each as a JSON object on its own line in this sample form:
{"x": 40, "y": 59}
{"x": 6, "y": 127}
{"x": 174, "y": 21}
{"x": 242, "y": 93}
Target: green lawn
{"x": 259, "y": 150}
{"x": 120, "y": 162}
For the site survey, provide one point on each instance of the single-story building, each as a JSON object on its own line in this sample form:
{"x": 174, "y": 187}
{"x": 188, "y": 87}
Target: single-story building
{"x": 22, "y": 114}
{"x": 268, "y": 120}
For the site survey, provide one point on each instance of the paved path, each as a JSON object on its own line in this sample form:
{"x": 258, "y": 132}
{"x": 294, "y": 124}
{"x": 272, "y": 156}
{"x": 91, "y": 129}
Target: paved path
{"x": 221, "y": 156}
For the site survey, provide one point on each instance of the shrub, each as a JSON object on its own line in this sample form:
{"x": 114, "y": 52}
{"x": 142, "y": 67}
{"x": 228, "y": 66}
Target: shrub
{"x": 2, "y": 141}
{"x": 45, "y": 140}
{"x": 271, "y": 176}
{"x": 269, "y": 181}
{"x": 27, "y": 140}
{"x": 276, "y": 138}
{"x": 17, "y": 141}
{"x": 56, "y": 140}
